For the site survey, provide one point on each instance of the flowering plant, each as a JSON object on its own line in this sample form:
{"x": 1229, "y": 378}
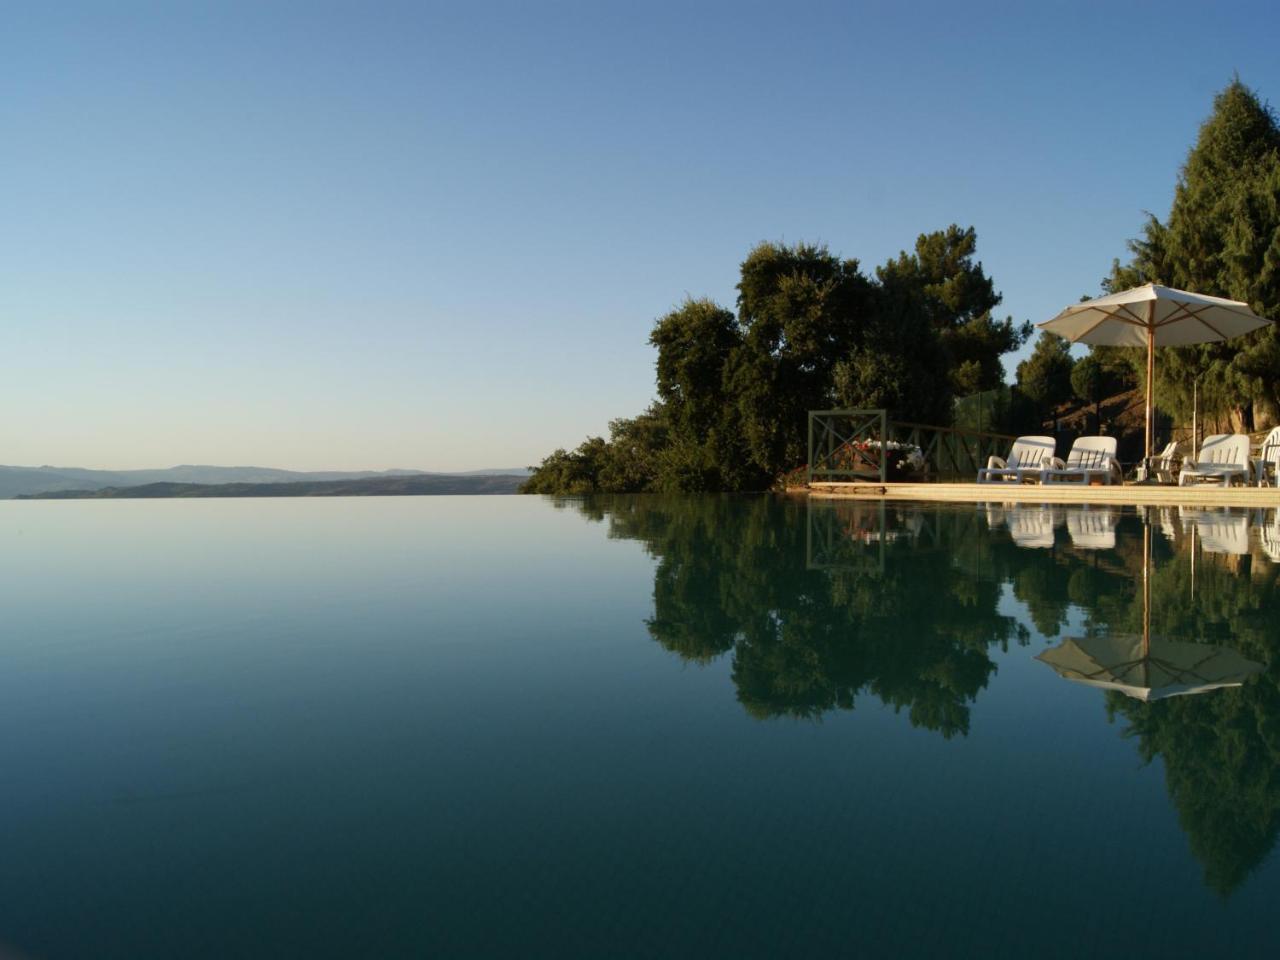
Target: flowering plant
{"x": 903, "y": 458}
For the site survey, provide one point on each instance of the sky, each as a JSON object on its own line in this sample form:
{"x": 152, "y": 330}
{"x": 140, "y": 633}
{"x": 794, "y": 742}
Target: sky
{"x": 369, "y": 235}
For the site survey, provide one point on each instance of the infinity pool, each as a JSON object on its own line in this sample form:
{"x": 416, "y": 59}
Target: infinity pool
{"x": 721, "y": 726}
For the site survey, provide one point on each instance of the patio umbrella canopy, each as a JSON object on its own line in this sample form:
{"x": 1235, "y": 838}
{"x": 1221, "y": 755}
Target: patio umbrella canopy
{"x": 1154, "y": 316}
{"x": 1150, "y": 669}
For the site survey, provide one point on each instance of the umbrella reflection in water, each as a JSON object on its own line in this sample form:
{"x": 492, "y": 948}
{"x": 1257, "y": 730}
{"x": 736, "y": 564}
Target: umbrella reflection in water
{"x": 1146, "y": 667}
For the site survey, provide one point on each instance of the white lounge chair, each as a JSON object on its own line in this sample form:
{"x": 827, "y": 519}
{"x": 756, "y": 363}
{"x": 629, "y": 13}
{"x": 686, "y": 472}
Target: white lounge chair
{"x": 1089, "y": 457}
{"x": 1162, "y": 465}
{"x": 1268, "y": 463}
{"x": 1222, "y": 458}
{"x": 1027, "y": 458}
{"x": 1092, "y": 529}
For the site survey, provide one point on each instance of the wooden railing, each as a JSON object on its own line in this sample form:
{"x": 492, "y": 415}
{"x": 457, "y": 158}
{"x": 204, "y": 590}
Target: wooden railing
{"x": 853, "y": 445}
{"x": 951, "y": 453}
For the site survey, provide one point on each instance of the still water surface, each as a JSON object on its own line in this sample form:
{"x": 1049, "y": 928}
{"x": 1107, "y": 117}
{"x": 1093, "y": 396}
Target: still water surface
{"x": 509, "y": 726}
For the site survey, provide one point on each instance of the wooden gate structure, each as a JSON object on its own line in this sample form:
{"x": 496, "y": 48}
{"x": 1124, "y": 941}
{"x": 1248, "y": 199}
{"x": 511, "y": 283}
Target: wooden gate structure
{"x": 851, "y": 445}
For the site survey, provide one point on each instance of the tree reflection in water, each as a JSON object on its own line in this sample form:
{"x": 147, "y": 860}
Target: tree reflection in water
{"x": 1221, "y": 751}
{"x": 819, "y": 604}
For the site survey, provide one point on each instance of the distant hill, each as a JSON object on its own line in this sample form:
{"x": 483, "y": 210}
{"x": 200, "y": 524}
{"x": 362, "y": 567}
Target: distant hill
{"x": 18, "y": 481}
{"x": 378, "y": 486}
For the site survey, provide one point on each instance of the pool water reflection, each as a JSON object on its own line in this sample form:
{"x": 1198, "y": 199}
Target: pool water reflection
{"x": 636, "y": 726}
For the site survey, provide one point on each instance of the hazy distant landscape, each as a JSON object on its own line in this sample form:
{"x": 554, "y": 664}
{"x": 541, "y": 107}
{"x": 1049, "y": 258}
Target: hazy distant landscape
{"x": 212, "y": 481}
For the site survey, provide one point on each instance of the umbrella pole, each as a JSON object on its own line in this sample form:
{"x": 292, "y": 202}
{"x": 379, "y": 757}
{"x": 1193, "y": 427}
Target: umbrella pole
{"x": 1151, "y": 370}
{"x": 1146, "y": 591}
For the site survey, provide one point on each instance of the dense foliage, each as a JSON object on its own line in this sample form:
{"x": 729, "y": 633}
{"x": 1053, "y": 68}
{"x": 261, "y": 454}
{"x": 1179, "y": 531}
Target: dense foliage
{"x": 1222, "y": 237}
{"x": 811, "y": 331}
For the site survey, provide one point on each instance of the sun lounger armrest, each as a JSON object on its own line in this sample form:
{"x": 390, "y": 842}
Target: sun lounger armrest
{"x": 1057, "y": 463}
{"x": 996, "y": 463}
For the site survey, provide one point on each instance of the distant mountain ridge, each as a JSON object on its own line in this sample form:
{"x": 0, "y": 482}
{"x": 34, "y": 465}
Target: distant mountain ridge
{"x": 409, "y": 485}
{"x": 25, "y": 481}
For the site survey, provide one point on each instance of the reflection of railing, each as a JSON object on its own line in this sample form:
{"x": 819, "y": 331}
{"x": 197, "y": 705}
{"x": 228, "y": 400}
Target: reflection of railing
{"x": 846, "y": 536}
{"x": 854, "y": 445}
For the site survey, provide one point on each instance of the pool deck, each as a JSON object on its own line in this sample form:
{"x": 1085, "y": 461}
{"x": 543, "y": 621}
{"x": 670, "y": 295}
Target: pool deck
{"x": 1120, "y": 494}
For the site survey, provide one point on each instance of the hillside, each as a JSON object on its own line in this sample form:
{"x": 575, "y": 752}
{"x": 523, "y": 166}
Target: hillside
{"x": 1122, "y": 417}
{"x": 394, "y": 486}
{"x": 19, "y": 481}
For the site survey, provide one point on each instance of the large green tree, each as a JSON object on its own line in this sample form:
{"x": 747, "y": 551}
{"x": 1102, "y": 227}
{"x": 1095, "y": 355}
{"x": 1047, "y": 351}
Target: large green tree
{"x": 899, "y": 363}
{"x": 957, "y": 299}
{"x": 706, "y": 449}
{"x": 801, "y": 310}
{"x": 1045, "y": 376}
{"x": 1222, "y": 237}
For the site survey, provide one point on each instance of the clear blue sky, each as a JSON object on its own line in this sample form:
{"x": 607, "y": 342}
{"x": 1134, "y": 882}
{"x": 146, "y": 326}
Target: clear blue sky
{"x": 365, "y": 235}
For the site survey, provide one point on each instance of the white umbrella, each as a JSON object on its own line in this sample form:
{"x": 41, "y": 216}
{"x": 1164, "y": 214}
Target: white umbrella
{"x": 1154, "y": 316}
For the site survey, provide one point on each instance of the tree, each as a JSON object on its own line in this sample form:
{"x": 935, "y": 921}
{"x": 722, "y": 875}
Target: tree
{"x": 1088, "y": 382}
{"x": 1222, "y": 237}
{"x": 801, "y": 310}
{"x": 566, "y": 473}
{"x": 631, "y": 460}
{"x": 900, "y": 364}
{"x": 628, "y": 462}
{"x": 694, "y": 342}
{"x": 705, "y": 449}
{"x": 957, "y": 298}
{"x": 1045, "y": 376}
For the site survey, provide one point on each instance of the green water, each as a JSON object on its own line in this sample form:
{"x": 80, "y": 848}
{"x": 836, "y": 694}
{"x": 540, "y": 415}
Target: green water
{"x": 509, "y": 726}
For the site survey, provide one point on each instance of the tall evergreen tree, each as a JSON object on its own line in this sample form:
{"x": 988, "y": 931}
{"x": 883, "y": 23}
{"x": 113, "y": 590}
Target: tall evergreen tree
{"x": 958, "y": 298}
{"x": 1088, "y": 382}
{"x": 1222, "y": 237}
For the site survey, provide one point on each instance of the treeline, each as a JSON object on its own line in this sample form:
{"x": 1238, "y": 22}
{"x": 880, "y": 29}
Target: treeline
{"x": 811, "y": 331}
